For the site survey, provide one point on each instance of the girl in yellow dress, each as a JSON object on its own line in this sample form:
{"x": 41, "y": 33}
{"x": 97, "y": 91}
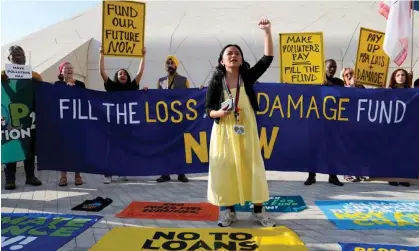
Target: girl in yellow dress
{"x": 236, "y": 168}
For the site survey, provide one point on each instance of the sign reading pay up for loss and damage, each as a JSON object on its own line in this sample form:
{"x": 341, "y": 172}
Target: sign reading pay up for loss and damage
{"x": 123, "y": 28}
{"x": 371, "y": 61}
{"x": 301, "y": 58}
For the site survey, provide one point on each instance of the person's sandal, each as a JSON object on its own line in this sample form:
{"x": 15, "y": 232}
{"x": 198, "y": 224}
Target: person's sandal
{"x": 63, "y": 182}
{"x": 78, "y": 181}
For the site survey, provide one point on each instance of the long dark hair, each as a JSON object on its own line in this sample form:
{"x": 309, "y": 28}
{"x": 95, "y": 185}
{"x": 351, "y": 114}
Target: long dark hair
{"x": 116, "y": 80}
{"x": 220, "y": 70}
{"x": 393, "y": 83}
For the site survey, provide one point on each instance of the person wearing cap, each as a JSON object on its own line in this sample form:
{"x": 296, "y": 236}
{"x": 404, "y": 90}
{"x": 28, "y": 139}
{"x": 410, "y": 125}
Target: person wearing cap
{"x": 172, "y": 80}
{"x": 17, "y": 56}
{"x": 66, "y": 77}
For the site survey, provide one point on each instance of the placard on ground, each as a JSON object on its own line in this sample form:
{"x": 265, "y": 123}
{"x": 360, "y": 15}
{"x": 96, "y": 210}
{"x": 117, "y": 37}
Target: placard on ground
{"x": 170, "y": 211}
{"x": 262, "y": 239}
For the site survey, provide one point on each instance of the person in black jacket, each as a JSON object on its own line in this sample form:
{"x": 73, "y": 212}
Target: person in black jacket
{"x": 66, "y": 77}
{"x": 236, "y": 167}
{"x": 329, "y": 81}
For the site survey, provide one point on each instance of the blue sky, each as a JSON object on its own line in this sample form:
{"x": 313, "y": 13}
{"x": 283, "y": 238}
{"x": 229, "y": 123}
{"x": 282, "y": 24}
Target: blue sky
{"x": 36, "y": 15}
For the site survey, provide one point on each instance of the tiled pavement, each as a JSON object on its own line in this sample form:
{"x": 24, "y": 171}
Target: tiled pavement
{"x": 311, "y": 225}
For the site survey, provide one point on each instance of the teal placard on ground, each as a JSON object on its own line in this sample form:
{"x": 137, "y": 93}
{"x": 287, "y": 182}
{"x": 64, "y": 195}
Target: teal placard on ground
{"x": 278, "y": 204}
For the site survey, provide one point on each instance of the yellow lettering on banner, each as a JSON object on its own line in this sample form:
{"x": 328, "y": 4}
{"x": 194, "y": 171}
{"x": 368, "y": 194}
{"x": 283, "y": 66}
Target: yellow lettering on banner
{"x": 277, "y": 105}
{"x": 295, "y": 106}
{"x": 262, "y": 94}
{"x": 267, "y": 239}
{"x": 372, "y": 62}
{"x": 341, "y": 109}
{"x": 165, "y": 109}
{"x": 359, "y": 249}
{"x": 364, "y": 222}
{"x": 263, "y": 141}
{"x": 200, "y": 149}
{"x": 172, "y": 106}
{"x": 401, "y": 219}
{"x": 313, "y": 106}
{"x": 147, "y": 114}
{"x": 193, "y": 110}
{"x": 331, "y": 109}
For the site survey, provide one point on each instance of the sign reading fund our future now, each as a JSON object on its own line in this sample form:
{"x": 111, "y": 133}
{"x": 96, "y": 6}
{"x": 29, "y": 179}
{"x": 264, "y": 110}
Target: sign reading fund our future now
{"x": 123, "y": 28}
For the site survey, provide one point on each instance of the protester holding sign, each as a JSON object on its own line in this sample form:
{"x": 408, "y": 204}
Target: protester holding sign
{"x": 121, "y": 82}
{"x": 236, "y": 167}
{"x": 329, "y": 81}
{"x": 66, "y": 77}
{"x": 17, "y": 56}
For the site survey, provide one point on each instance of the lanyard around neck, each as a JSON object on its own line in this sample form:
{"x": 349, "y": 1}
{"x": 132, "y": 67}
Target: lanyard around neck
{"x": 236, "y": 100}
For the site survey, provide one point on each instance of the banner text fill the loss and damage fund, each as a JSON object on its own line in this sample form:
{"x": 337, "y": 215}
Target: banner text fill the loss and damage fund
{"x": 290, "y": 120}
{"x": 123, "y": 28}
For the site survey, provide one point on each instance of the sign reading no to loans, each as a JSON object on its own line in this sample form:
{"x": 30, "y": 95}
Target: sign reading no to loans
{"x": 371, "y": 61}
{"x": 301, "y": 58}
{"x": 123, "y": 28}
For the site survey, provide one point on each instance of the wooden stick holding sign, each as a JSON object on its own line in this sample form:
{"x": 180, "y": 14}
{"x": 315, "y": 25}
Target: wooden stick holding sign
{"x": 123, "y": 28}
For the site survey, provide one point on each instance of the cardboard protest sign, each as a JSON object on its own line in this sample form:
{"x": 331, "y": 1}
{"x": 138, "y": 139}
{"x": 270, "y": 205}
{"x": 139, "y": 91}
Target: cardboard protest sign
{"x": 301, "y": 58}
{"x": 123, "y": 28}
{"x": 372, "y": 62}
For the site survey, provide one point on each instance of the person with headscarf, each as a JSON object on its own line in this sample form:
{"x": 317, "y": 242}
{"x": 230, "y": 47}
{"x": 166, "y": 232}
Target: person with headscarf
{"x": 66, "y": 77}
{"x": 172, "y": 80}
{"x": 17, "y": 56}
{"x": 121, "y": 82}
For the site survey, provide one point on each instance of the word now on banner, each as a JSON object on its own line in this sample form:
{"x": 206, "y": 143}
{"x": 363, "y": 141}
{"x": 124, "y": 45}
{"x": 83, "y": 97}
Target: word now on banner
{"x": 46, "y": 232}
{"x": 302, "y": 128}
{"x": 372, "y": 214}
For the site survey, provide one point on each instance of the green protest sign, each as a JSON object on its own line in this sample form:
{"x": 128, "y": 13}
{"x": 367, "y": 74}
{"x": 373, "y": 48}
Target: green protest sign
{"x": 17, "y": 119}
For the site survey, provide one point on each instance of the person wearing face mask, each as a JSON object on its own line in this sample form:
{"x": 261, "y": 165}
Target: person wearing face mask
{"x": 173, "y": 80}
{"x": 236, "y": 167}
{"x": 17, "y": 56}
{"x": 66, "y": 77}
{"x": 120, "y": 82}
{"x": 329, "y": 81}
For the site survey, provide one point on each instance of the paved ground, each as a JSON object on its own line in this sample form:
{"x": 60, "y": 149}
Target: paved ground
{"x": 312, "y": 226}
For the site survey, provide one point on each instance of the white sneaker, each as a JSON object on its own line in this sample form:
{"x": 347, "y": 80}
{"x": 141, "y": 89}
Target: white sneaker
{"x": 226, "y": 218}
{"x": 123, "y": 178}
{"x": 264, "y": 219}
{"x": 107, "y": 180}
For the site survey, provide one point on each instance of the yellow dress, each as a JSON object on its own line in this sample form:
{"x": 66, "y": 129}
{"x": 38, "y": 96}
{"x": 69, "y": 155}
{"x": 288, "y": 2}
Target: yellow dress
{"x": 236, "y": 167}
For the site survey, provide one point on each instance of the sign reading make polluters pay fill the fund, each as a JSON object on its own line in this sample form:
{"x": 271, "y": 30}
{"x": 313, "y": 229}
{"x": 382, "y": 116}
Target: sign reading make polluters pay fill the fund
{"x": 123, "y": 28}
{"x": 301, "y": 58}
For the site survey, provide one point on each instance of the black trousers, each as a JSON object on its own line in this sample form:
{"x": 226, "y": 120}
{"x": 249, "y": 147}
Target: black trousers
{"x": 330, "y": 175}
{"x": 28, "y": 164}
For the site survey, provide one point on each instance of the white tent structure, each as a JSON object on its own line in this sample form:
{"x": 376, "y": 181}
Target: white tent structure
{"x": 196, "y": 31}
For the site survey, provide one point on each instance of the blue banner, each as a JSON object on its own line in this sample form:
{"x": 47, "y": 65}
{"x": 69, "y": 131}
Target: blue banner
{"x": 277, "y": 204}
{"x": 371, "y": 214}
{"x": 302, "y": 128}
{"x": 46, "y": 232}
{"x": 375, "y": 247}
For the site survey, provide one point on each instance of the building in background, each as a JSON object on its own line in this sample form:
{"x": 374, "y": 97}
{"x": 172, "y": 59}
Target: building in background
{"x": 196, "y": 32}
